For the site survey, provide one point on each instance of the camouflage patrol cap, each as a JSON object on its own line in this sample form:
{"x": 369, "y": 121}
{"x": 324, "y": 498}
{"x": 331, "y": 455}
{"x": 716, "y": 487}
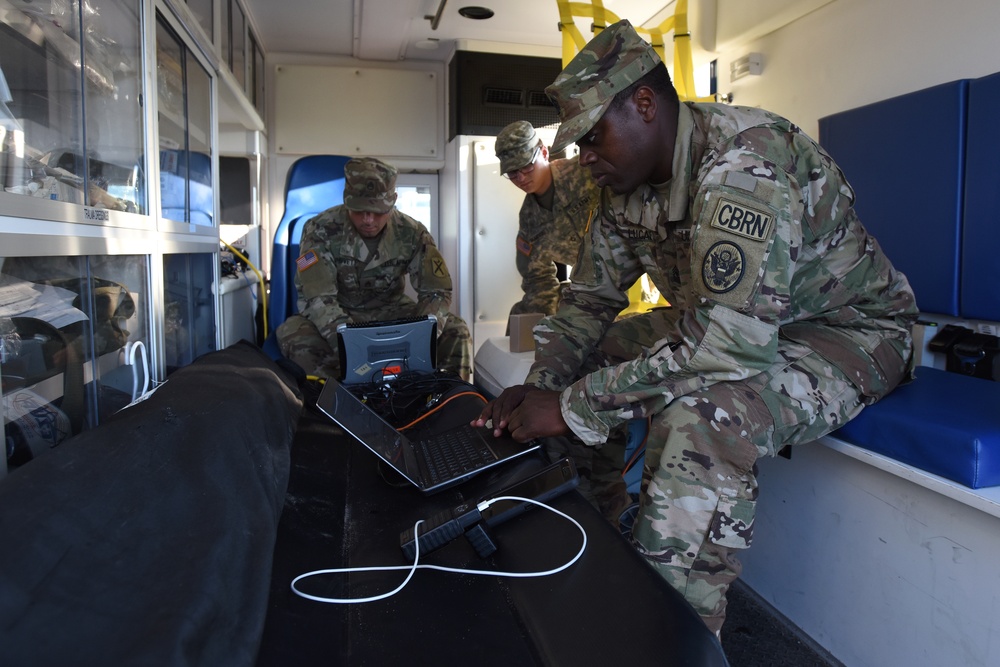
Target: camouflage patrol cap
{"x": 611, "y": 62}
{"x": 515, "y": 145}
{"x": 369, "y": 185}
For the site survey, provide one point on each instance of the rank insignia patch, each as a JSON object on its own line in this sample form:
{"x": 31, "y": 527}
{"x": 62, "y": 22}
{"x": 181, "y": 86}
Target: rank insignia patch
{"x": 306, "y": 260}
{"x": 723, "y": 267}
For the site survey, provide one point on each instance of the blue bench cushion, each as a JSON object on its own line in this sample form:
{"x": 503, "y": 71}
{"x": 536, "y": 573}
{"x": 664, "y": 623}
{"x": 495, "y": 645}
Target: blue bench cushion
{"x": 944, "y": 423}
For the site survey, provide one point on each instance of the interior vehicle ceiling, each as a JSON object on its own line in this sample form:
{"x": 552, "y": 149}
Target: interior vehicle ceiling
{"x": 392, "y": 29}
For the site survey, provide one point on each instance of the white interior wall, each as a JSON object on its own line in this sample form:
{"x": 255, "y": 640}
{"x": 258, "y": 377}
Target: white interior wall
{"x": 334, "y": 119}
{"x": 496, "y": 207}
{"x": 479, "y": 235}
{"x": 853, "y": 52}
{"x": 872, "y": 560}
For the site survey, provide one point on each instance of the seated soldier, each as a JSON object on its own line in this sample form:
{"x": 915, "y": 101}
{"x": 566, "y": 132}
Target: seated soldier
{"x": 355, "y": 257}
{"x": 790, "y": 318}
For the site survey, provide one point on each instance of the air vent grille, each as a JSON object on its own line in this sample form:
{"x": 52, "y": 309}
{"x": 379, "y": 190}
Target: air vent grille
{"x": 537, "y": 99}
{"x": 488, "y": 91}
{"x": 504, "y": 97}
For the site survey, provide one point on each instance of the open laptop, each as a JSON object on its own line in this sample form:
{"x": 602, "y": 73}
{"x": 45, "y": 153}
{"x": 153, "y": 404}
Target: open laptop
{"x": 441, "y": 460}
{"x": 380, "y": 351}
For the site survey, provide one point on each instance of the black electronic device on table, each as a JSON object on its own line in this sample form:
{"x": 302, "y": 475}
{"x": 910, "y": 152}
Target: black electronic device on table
{"x": 467, "y": 519}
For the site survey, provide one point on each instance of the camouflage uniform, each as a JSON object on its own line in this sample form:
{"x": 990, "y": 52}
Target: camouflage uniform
{"x": 791, "y": 318}
{"x": 340, "y": 280}
{"x": 545, "y": 236}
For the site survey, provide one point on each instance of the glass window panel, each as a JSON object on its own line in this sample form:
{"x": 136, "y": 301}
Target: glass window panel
{"x": 199, "y": 86}
{"x": 114, "y": 118}
{"x": 239, "y": 43}
{"x": 415, "y": 201}
{"x": 68, "y": 328}
{"x": 202, "y": 10}
{"x": 120, "y": 317}
{"x": 189, "y": 318}
{"x": 41, "y": 100}
{"x": 184, "y": 89}
{"x": 170, "y": 89}
{"x": 257, "y": 68}
{"x": 42, "y": 108}
{"x": 225, "y": 40}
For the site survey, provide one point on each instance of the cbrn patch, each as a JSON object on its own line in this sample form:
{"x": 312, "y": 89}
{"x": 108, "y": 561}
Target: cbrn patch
{"x": 742, "y": 220}
{"x": 732, "y": 244}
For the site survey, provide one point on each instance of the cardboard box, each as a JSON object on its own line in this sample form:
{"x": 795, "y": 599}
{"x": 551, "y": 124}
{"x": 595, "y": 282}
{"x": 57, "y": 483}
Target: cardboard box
{"x": 521, "y": 325}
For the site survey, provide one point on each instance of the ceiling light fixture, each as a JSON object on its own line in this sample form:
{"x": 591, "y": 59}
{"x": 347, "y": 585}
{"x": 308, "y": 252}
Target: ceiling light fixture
{"x": 429, "y": 44}
{"x": 476, "y": 13}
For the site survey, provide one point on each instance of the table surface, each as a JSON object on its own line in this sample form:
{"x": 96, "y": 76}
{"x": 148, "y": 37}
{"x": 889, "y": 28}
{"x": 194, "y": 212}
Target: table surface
{"x": 343, "y": 510}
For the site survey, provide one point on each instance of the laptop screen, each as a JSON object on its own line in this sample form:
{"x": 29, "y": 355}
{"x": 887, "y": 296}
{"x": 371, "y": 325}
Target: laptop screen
{"x": 378, "y": 351}
{"x": 366, "y": 425}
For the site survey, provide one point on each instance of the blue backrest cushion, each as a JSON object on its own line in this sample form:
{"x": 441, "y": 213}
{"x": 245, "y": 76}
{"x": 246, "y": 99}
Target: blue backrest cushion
{"x": 314, "y": 184}
{"x": 981, "y": 235}
{"x": 905, "y": 159}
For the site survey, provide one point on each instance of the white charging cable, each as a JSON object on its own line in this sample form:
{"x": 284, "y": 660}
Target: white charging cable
{"x": 130, "y": 349}
{"x": 421, "y": 566}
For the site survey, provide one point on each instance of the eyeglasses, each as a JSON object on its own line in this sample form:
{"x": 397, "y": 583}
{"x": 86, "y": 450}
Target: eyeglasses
{"x": 526, "y": 169}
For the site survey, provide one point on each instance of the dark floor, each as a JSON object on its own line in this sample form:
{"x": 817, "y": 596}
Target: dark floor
{"x": 756, "y": 635}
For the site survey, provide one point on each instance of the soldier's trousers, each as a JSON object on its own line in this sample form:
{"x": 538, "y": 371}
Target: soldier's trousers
{"x": 699, "y": 489}
{"x": 300, "y": 341}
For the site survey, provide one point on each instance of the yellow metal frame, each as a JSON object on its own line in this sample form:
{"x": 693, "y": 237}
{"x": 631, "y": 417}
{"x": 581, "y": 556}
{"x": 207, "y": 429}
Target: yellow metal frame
{"x": 573, "y": 40}
{"x": 643, "y": 296}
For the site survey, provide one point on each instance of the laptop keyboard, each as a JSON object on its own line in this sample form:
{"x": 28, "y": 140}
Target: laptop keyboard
{"x": 453, "y": 453}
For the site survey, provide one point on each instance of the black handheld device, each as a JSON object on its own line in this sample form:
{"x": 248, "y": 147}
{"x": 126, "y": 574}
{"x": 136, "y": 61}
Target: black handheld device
{"x": 467, "y": 518}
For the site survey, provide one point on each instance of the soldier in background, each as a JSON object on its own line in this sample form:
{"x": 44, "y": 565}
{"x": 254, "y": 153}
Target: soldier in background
{"x": 354, "y": 262}
{"x": 790, "y": 318}
{"x": 559, "y": 197}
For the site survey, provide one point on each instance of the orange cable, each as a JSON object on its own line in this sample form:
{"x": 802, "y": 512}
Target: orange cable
{"x": 441, "y": 405}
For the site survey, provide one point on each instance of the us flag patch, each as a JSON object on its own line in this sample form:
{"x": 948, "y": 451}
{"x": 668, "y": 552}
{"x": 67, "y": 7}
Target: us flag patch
{"x": 523, "y": 246}
{"x": 306, "y": 260}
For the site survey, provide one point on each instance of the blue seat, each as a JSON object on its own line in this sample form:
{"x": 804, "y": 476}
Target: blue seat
{"x": 944, "y": 423}
{"x": 944, "y": 241}
{"x": 314, "y": 184}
